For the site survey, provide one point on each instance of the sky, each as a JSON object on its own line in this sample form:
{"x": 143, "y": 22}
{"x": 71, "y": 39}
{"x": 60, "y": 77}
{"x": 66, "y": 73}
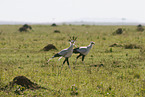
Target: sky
{"x": 44, "y": 11}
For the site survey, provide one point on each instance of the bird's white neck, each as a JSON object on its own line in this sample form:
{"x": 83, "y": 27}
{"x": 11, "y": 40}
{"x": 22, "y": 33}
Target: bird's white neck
{"x": 90, "y": 45}
{"x": 71, "y": 46}
{"x": 69, "y": 51}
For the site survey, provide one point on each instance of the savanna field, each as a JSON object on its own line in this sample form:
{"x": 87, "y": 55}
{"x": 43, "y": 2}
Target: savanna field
{"x": 114, "y": 67}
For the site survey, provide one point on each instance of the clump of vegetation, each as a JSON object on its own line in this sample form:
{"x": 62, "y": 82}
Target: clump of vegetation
{"x": 142, "y": 52}
{"x": 109, "y": 50}
{"x": 25, "y": 28}
{"x": 49, "y": 47}
{"x": 137, "y": 75}
{"x": 132, "y": 46}
{"x": 118, "y": 31}
{"x": 74, "y": 90}
{"x": 126, "y": 46}
{"x": 140, "y": 28}
{"x": 95, "y": 65}
{"x": 116, "y": 45}
{"x": 53, "y": 25}
{"x": 56, "y": 31}
{"x": 18, "y": 89}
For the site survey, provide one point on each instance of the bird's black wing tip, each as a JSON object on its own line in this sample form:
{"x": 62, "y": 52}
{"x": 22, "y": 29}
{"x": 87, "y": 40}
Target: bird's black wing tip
{"x": 75, "y": 50}
{"x": 57, "y": 55}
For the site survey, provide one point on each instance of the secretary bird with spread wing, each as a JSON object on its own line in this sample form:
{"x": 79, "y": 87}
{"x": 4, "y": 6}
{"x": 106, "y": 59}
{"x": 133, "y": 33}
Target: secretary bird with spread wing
{"x": 66, "y": 53}
{"x": 83, "y": 51}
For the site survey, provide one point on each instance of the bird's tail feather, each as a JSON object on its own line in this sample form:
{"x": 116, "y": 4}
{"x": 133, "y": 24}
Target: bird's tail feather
{"x": 56, "y": 55}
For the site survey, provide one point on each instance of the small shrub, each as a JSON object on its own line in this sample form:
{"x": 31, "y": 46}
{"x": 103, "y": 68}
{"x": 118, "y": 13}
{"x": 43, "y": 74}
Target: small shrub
{"x": 53, "y": 25}
{"x": 74, "y": 90}
{"x": 25, "y": 28}
{"x": 118, "y": 31}
{"x": 56, "y": 31}
{"x": 110, "y": 50}
{"x": 142, "y": 51}
{"x": 116, "y": 45}
{"x": 137, "y": 76}
{"x": 132, "y": 46}
{"x": 18, "y": 89}
{"x": 140, "y": 28}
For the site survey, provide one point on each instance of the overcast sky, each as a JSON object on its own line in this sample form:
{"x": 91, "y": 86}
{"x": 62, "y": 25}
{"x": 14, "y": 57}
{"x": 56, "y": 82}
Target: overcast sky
{"x": 68, "y": 10}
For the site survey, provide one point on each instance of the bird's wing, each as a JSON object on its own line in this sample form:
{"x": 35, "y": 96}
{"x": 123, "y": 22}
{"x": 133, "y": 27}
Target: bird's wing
{"x": 82, "y": 50}
{"x": 63, "y": 52}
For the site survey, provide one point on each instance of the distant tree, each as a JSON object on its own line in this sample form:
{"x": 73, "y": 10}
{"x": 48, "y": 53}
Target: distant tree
{"x": 53, "y": 24}
{"x": 139, "y": 25}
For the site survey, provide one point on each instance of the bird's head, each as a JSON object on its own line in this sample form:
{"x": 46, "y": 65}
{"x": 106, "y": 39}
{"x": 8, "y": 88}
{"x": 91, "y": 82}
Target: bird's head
{"x": 72, "y": 40}
{"x": 92, "y": 42}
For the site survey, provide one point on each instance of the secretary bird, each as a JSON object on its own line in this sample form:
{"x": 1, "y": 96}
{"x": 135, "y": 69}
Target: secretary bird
{"x": 66, "y": 53}
{"x": 83, "y": 51}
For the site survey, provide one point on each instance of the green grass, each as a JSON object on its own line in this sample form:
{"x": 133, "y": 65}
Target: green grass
{"x": 122, "y": 73}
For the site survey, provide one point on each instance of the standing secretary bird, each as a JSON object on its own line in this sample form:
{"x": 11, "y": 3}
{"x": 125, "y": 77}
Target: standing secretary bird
{"x": 66, "y": 53}
{"x": 83, "y": 51}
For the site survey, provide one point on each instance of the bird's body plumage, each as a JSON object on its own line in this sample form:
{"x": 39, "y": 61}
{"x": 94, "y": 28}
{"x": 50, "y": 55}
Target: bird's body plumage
{"x": 65, "y": 53}
{"x": 83, "y": 51}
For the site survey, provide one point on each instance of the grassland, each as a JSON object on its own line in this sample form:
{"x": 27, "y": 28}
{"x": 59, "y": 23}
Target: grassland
{"x": 121, "y": 72}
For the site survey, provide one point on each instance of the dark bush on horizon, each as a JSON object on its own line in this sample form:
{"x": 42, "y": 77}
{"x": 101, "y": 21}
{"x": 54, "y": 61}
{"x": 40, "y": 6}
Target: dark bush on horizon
{"x": 140, "y": 28}
{"x": 53, "y": 25}
{"x": 118, "y": 31}
{"x": 25, "y": 28}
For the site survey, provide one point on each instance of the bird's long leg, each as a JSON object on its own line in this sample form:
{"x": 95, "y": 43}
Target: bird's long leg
{"x": 63, "y": 64}
{"x": 49, "y": 59}
{"x": 56, "y": 55}
{"x": 83, "y": 57}
{"x": 77, "y": 58}
{"x": 59, "y": 58}
{"x": 68, "y": 64}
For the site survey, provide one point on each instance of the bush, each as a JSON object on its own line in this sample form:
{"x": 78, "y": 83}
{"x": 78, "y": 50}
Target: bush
{"x": 118, "y": 31}
{"x": 140, "y": 28}
{"x": 132, "y": 46}
{"x": 56, "y": 31}
{"x": 25, "y": 28}
{"x": 53, "y": 25}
